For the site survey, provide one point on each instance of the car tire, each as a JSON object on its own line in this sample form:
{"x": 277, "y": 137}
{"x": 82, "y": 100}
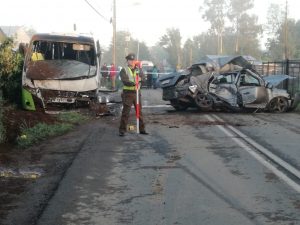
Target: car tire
{"x": 204, "y": 101}
{"x": 278, "y": 105}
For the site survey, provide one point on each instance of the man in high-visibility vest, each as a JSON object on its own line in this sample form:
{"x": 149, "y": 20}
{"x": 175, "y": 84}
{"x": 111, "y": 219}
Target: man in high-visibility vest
{"x": 129, "y": 96}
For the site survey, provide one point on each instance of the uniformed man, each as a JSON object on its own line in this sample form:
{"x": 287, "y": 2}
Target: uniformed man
{"x": 128, "y": 75}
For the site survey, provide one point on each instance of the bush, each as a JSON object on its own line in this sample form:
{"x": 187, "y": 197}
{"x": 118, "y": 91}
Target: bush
{"x": 11, "y": 64}
{"x": 2, "y": 129}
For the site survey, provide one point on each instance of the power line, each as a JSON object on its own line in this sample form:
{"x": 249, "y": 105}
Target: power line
{"x": 103, "y": 17}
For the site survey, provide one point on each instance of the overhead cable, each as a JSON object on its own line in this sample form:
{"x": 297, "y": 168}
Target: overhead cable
{"x": 103, "y": 17}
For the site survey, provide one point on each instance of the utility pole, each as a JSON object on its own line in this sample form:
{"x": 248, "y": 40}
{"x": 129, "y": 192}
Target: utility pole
{"x": 114, "y": 32}
{"x": 286, "y": 31}
{"x": 138, "y": 51}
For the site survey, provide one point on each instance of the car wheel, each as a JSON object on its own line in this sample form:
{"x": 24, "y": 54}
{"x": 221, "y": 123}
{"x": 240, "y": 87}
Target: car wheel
{"x": 179, "y": 106}
{"x": 278, "y": 105}
{"x": 204, "y": 101}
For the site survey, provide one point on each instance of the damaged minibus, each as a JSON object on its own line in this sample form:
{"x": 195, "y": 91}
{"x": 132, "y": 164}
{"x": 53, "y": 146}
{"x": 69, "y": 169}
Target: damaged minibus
{"x": 60, "y": 70}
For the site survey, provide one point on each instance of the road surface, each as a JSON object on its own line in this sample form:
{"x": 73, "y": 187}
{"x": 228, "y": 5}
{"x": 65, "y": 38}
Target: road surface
{"x": 193, "y": 168}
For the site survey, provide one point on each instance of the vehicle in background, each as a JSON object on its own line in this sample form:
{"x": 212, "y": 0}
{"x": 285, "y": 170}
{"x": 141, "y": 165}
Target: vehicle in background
{"x": 60, "y": 70}
{"x": 147, "y": 67}
{"x": 231, "y": 85}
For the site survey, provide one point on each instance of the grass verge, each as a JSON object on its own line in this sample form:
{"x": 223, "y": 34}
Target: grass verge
{"x": 41, "y": 131}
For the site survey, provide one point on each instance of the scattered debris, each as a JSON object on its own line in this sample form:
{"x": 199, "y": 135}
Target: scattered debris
{"x": 25, "y": 173}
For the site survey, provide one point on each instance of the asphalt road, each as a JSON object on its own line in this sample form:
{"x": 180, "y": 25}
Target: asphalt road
{"x": 193, "y": 168}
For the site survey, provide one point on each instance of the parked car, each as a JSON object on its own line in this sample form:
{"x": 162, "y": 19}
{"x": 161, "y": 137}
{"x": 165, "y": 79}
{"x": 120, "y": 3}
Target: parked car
{"x": 231, "y": 84}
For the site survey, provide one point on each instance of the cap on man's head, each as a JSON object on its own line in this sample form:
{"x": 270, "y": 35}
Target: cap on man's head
{"x": 130, "y": 56}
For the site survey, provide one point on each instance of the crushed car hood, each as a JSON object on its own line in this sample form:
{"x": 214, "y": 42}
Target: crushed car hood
{"x": 58, "y": 70}
{"x": 225, "y": 63}
{"x": 275, "y": 80}
{"x": 169, "y": 79}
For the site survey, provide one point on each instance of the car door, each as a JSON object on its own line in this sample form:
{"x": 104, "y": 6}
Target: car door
{"x": 251, "y": 89}
{"x": 223, "y": 86}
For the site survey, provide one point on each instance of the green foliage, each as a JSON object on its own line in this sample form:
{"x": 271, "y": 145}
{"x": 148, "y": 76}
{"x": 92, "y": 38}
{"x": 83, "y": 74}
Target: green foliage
{"x": 2, "y": 128}
{"x": 9, "y": 61}
{"x": 232, "y": 29}
{"x": 41, "y": 131}
{"x": 72, "y": 117}
{"x": 276, "y": 27}
{"x": 171, "y": 42}
{"x": 215, "y": 14}
{"x": 10, "y": 72}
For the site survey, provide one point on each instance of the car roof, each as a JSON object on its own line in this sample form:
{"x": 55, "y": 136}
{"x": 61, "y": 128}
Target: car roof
{"x": 73, "y": 38}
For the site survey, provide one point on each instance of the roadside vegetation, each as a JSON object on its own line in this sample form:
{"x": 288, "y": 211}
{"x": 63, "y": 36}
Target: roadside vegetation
{"x": 2, "y": 129}
{"x": 32, "y": 135}
{"x": 10, "y": 80}
{"x": 11, "y": 63}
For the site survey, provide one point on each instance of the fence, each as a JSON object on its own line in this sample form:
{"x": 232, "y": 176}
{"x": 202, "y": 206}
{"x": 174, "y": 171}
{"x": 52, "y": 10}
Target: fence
{"x": 288, "y": 67}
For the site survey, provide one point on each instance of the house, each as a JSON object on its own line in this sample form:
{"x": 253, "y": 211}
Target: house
{"x": 18, "y": 33}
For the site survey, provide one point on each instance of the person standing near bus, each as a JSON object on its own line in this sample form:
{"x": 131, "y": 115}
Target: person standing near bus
{"x": 113, "y": 74}
{"x": 104, "y": 72}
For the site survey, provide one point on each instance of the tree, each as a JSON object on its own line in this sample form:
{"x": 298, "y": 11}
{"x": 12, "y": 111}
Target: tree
{"x": 160, "y": 56}
{"x": 215, "y": 14}
{"x": 275, "y": 18}
{"x": 278, "y": 24}
{"x": 10, "y": 72}
{"x": 237, "y": 15}
{"x": 206, "y": 44}
{"x": 197, "y": 51}
{"x": 275, "y": 21}
{"x": 249, "y": 32}
{"x": 188, "y": 51}
{"x": 292, "y": 45}
{"x": 171, "y": 42}
{"x": 125, "y": 44}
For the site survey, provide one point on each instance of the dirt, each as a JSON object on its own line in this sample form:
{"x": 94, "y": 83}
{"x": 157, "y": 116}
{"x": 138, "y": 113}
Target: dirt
{"x": 13, "y": 160}
{"x": 15, "y": 119}
{"x": 20, "y": 168}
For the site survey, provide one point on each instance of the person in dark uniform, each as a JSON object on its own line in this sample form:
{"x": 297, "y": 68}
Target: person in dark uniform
{"x": 128, "y": 75}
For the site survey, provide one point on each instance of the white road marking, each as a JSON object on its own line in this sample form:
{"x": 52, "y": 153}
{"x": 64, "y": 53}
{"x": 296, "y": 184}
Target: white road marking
{"x": 156, "y": 106}
{"x": 236, "y": 136}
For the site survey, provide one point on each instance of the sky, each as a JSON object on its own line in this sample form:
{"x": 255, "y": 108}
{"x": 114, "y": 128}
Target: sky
{"x": 146, "y": 20}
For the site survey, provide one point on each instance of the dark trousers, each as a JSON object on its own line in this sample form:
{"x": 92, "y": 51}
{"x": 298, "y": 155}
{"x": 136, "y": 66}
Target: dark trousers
{"x": 129, "y": 99}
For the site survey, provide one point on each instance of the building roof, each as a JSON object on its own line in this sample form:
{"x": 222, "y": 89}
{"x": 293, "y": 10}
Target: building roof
{"x": 10, "y": 31}
{"x": 18, "y": 33}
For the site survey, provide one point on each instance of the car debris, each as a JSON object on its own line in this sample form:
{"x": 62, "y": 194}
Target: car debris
{"x": 229, "y": 83}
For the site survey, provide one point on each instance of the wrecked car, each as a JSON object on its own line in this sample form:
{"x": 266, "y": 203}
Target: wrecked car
{"x": 59, "y": 70}
{"x": 231, "y": 84}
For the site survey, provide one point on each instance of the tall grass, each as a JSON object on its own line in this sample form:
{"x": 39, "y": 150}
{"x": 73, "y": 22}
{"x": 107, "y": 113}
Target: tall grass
{"x": 33, "y": 135}
{"x": 72, "y": 117}
{"x": 39, "y": 132}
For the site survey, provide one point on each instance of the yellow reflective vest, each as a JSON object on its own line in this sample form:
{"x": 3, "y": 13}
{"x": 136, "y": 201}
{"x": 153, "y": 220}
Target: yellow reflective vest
{"x": 132, "y": 76}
